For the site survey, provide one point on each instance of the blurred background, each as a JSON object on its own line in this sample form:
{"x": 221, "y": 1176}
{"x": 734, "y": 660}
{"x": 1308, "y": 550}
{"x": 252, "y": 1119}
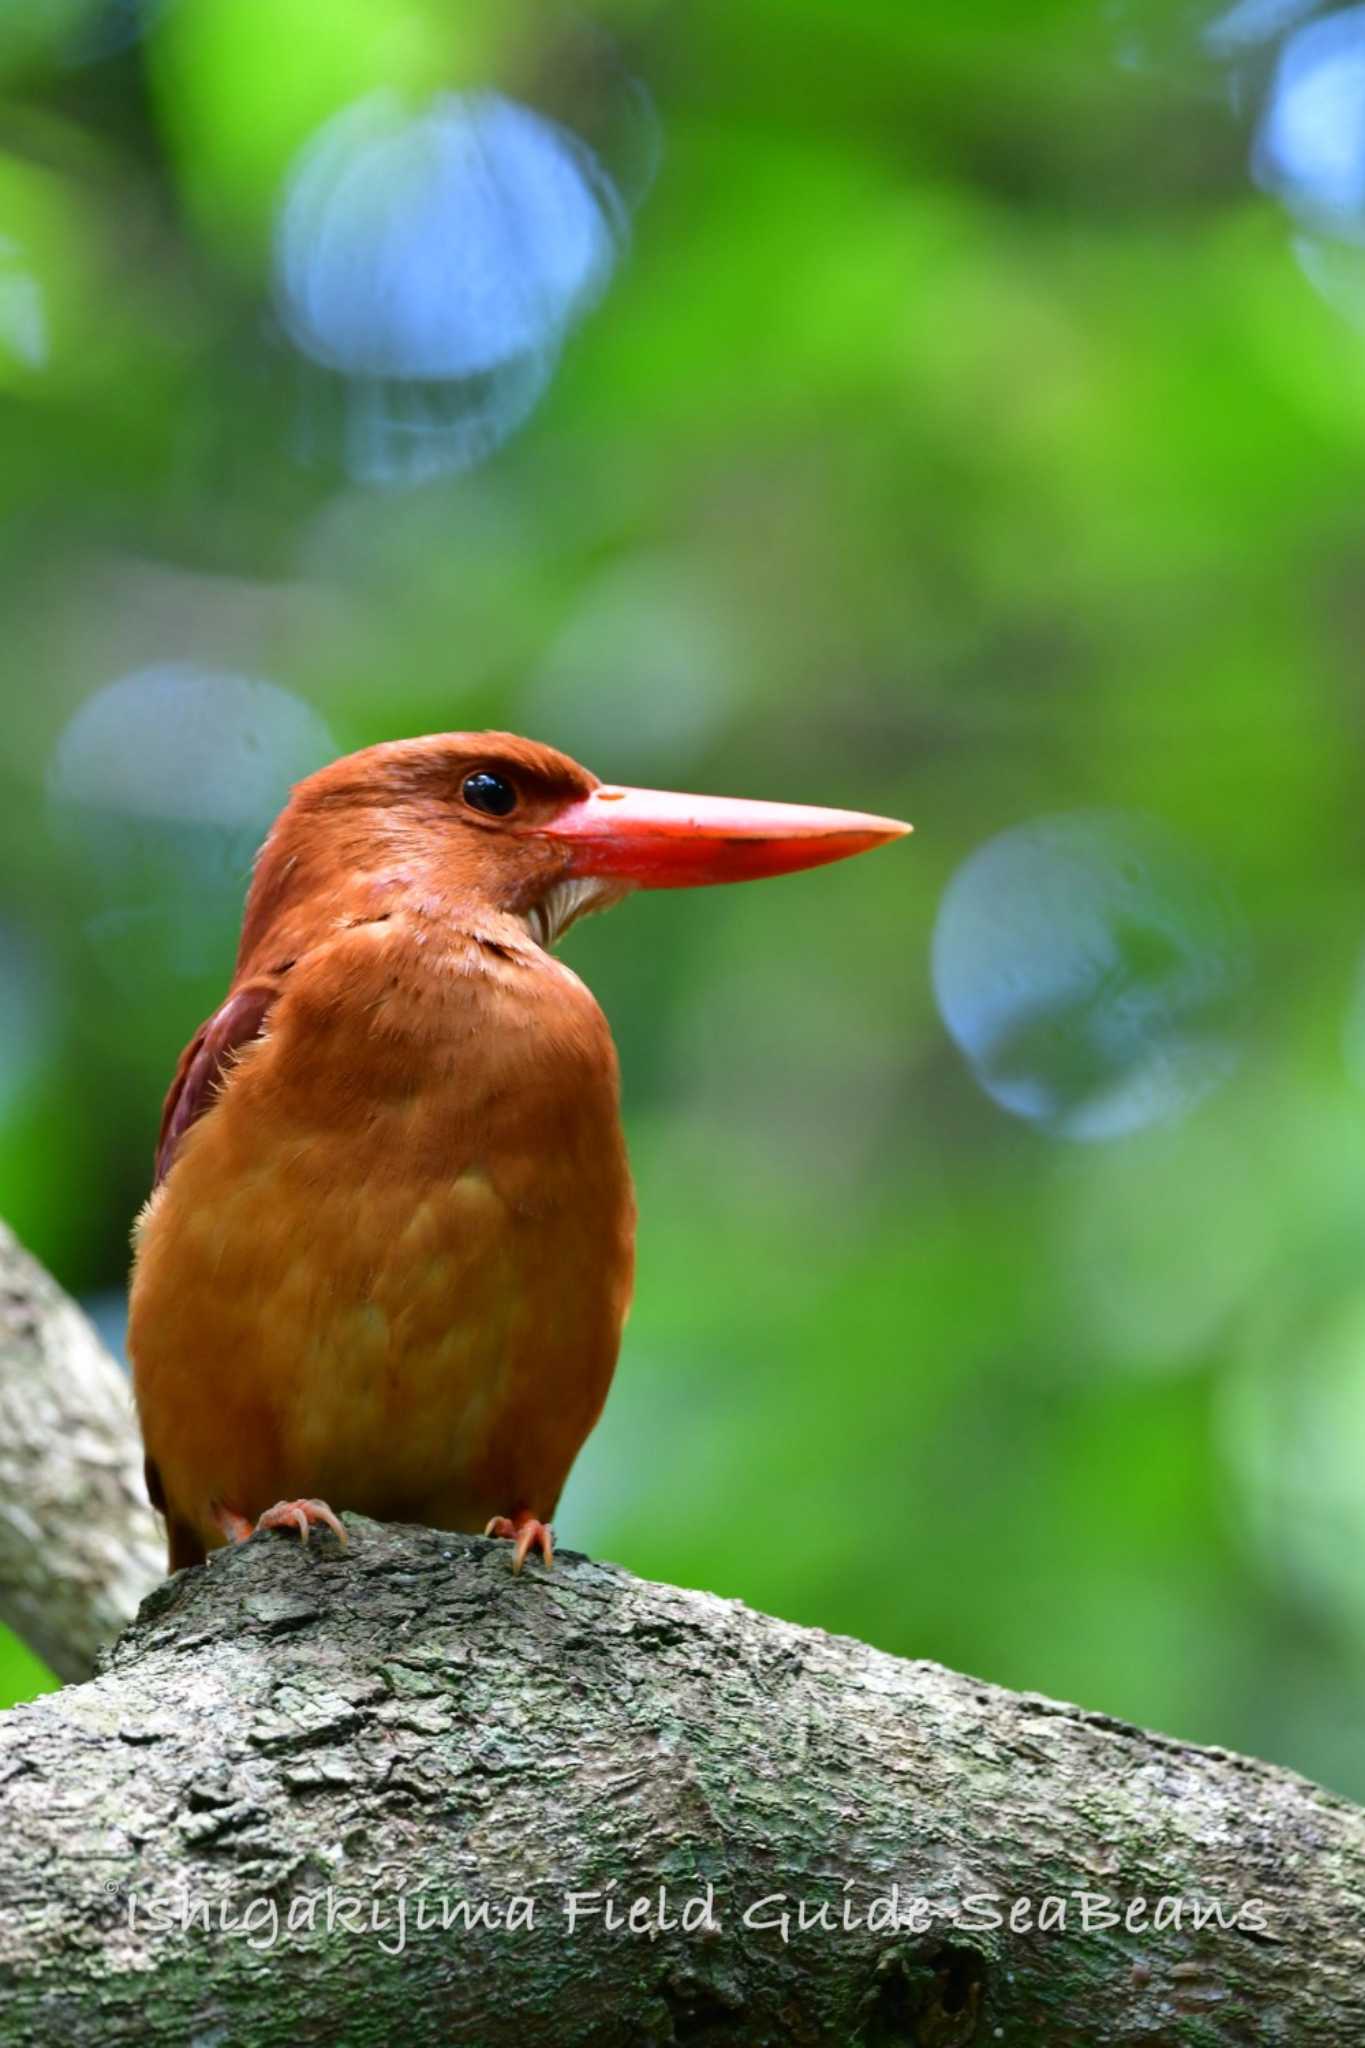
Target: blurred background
{"x": 953, "y": 413}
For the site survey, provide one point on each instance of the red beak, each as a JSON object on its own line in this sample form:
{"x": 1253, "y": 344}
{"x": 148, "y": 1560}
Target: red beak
{"x": 661, "y": 840}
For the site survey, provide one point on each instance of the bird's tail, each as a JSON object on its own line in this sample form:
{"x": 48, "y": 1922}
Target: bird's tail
{"x": 183, "y": 1546}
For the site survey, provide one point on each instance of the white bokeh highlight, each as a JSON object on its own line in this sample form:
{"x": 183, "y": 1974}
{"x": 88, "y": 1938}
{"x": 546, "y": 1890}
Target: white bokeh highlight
{"x": 1091, "y": 974}
{"x": 435, "y": 259}
{"x": 1310, "y": 147}
{"x": 161, "y": 786}
{"x": 1251, "y": 23}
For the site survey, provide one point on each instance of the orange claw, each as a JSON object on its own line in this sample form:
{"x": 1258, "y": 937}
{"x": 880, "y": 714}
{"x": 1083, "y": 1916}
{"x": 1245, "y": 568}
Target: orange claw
{"x": 302, "y": 1515}
{"x": 528, "y": 1534}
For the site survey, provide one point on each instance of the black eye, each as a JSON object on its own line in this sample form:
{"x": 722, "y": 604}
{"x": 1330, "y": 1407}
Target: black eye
{"x": 491, "y": 793}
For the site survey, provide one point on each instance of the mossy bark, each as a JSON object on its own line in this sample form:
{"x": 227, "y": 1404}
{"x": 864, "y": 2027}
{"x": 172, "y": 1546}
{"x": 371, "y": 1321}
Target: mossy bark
{"x": 365, "y": 1742}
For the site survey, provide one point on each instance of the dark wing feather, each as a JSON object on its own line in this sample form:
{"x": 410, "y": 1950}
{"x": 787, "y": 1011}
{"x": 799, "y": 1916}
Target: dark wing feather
{"x": 199, "y": 1075}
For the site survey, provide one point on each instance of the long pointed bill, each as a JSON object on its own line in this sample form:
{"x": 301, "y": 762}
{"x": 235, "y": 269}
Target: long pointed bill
{"x": 661, "y": 840}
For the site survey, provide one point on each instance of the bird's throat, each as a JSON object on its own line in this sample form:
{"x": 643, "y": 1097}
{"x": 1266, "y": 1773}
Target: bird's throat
{"x": 549, "y": 919}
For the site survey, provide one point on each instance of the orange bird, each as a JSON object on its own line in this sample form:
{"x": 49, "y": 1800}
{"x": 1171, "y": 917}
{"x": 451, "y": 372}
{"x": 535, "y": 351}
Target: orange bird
{"x": 390, "y": 1247}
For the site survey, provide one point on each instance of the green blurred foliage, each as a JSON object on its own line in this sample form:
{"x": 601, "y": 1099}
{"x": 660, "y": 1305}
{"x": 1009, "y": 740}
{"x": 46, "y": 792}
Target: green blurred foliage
{"x": 958, "y": 438}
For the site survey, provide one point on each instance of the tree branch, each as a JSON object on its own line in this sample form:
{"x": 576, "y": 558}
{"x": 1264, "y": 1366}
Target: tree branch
{"x": 78, "y": 1543}
{"x": 312, "y": 1789}
{"x": 298, "y": 1734}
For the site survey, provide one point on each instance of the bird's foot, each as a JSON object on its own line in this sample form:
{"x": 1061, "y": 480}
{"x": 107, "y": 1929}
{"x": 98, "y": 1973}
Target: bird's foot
{"x": 301, "y": 1515}
{"x": 527, "y": 1534}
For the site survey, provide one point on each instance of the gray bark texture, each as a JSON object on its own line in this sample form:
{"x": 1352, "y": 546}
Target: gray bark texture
{"x": 307, "y": 1778}
{"x": 79, "y": 1546}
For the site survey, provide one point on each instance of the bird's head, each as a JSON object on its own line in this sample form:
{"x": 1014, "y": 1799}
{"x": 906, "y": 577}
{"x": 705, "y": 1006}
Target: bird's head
{"x": 515, "y": 827}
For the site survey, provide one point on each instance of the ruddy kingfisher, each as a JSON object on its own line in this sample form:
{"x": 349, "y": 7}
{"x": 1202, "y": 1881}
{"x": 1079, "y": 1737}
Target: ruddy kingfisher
{"x": 390, "y": 1248}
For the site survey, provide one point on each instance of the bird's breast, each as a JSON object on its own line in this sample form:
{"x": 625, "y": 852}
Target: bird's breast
{"x": 397, "y": 1249}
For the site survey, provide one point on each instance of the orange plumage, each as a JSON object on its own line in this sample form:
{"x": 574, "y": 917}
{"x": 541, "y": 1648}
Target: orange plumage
{"x": 390, "y": 1251}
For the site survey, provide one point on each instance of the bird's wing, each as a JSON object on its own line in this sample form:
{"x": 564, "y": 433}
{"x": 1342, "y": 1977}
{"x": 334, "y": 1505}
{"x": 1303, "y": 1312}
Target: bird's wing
{"x": 200, "y": 1072}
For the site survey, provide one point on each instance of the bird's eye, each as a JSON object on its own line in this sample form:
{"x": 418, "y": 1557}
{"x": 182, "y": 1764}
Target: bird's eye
{"x": 491, "y": 793}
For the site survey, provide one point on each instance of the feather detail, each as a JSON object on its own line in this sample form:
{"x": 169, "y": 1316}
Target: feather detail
{"x": 199, "y": 1076}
